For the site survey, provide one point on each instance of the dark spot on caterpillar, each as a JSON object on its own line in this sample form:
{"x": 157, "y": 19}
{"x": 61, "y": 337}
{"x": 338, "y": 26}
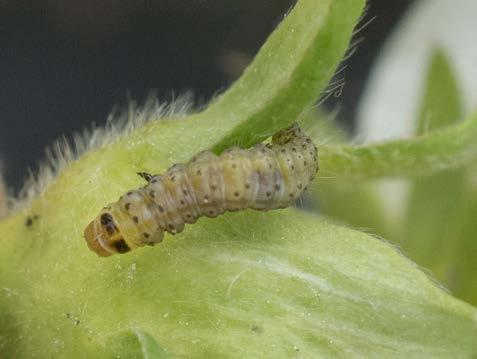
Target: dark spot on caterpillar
{"x": 300, "y": 186}
{"x": 247, "y": 185}
{"x": 304, "y": 147}
{"x": 199, "y": 172}
{"x": 270, "y": 165}
{"x": 206, "y": 198}
{"x": 291, "y": 195}
{"x": 234, "y": 165}
{"x": 154, "y": 180}
{"x": 172, "y": 178}
{"x": 269, "y": 194}
{"x": 146, "y": 235}
{"x": 121, "y": 246}
{"x": 189, "y": 216}
{"x": 213, "y": 187}
{"x": 211, "y": 212}
{"x": 283, "y": 150}
{"x": 308, "y": 140}
{"x": 292, "y": 167}
{"x": 171, "y": 227}
{"x": 127, "y": 206}
{"x": 110, "y": 228}
{"x": 184, "y": 192}
{"x": 294, "y": 149}
{"x": 182, "y": 201}
{"x": 152, "y": 194}
{"x": 277, "y": 187}
{"x": 135, "y": 219}
{"x": 236, "y": 194}
{"x": 106, "y": 218}
{"x": 311, "y": 153}
{"x": 160, "y": 208}
{"x": 304, "y": 163}
{"x": 129, "y": 193}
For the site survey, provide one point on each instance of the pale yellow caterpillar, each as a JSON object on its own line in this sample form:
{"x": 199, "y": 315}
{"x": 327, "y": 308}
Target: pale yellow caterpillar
{"x": 263, "y": 177}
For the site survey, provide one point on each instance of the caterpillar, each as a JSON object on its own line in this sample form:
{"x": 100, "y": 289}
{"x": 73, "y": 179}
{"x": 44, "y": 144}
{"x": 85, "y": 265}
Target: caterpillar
{"x": 263, "y": 177}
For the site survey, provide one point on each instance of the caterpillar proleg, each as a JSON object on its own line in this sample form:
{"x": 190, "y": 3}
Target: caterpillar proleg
{"x": 263, "y": 177}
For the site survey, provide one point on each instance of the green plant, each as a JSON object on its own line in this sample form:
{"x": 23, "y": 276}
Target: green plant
{"x": 248, "y": 284}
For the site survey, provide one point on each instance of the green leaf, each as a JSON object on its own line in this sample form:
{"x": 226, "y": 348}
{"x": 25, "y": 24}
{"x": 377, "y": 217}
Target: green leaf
{"x": 134, "y": 343}
{"x": 433, "y": 227}
{"x": 464, "y": 270}
{"x": 247, "y": 284}
{"x": 291, "y": 69}
{"x": 441, "y": 104}
{"x": 344, "y": 202}
{"x": 441, "y": 221}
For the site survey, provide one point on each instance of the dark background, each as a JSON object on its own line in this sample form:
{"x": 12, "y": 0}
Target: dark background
{"x": 64, "y": 64}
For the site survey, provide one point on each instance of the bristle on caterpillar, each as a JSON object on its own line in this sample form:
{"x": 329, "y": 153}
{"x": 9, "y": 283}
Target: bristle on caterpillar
{"x": 263, "y": 177}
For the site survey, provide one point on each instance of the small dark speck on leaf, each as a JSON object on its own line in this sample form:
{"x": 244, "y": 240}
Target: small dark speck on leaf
{"x": 30, "y": 220}
{"x": 256, "y": 329}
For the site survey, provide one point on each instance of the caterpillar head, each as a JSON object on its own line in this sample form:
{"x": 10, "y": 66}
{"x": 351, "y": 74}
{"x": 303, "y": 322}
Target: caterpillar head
{"x": 104, "y": 237}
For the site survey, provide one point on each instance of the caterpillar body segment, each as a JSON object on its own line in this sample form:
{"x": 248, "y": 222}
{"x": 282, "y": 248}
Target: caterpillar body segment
{"x": 263, "y": 177}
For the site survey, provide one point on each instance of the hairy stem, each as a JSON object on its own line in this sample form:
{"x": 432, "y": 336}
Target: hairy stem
{"x": 444, "y": 149}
